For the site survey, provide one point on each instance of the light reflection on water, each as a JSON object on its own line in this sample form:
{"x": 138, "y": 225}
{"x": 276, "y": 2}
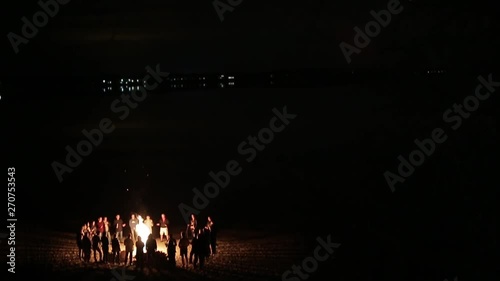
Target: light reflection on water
{"x": 128, "y": 85}
{"x": 124, "y": 85}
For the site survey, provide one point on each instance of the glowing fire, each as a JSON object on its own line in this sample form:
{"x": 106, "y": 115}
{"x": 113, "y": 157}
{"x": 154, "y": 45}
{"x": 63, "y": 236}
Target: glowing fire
{"x": 143, "y": 231}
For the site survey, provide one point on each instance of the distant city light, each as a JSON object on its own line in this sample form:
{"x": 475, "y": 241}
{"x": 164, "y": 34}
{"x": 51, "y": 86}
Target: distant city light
{"x": 435, "y": 71}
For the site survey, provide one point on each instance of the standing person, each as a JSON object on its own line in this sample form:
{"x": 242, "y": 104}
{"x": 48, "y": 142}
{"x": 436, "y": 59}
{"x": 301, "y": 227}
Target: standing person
{"x": 183, "y": 248}
{"x": 213, "y": 236}
{"x": 139, "y": 254}
{"x": 206, "y": 242}
{"x": 83, "y": 229}
{"x": 88, "y": 230}
{"x": 118, "y": 228}
{"x": 163, "y": 224}
{"x": 100, "y": 227}
{"x": 87, "y": 246}
{"x": 194, "y": 248}
{"x": 204, "y": 246}
{"x": 197, "y": 249}
{"x": 93, "y": 229}
{"x": 129, "y": 248}
{"x": 151, "y": 248}
{"x": 192, "y": 225}
{"x": 133, "y": 222}
{"x": 96, "y": 247}
{"x": 171, "y": 247}
{"x": 106, "y": 228}
{"x": 149, "y": 223}
{"x": 115, "y": 245}
{"x": 105, "y": 248}
{"x": 79, "y": 237}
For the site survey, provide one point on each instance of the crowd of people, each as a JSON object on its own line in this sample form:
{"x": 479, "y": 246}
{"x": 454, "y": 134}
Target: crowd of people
{"x": 102, "y": 238}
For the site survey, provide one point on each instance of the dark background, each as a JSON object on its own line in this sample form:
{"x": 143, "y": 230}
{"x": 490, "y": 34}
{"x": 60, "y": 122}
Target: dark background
{"x": 323, "y": 174}
{"x": 124, "y": 36}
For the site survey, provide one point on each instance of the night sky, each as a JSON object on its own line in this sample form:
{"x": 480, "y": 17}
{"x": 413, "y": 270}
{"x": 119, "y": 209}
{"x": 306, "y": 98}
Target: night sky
{"x": 124, "y": 36}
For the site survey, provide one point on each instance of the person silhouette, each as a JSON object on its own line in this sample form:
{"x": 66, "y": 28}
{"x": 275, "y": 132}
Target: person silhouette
{"x": 139, "y": 255}
{"x": 115, "y": 245}
{"x": 96, "y": 241}
{"x": 151, "y": 247}
{"x": 213, "y": 235}
{"x": 171, "y": 249}
{"x": 86, "y": 246}
{"x": 129, "y": 248}
{"x": 195, "y": 245}
{"x": 79, "y": 237}
{"x": 203, "y": 248}
{"x": 105, "y": 248}
{"x": 183, "y": 248}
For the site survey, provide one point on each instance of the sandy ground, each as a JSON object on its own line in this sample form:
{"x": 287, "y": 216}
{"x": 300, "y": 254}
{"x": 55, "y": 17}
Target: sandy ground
{"x": 241, "y": 256}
